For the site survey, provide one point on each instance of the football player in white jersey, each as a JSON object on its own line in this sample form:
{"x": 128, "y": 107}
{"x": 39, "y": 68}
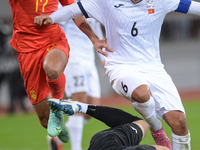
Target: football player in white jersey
{"x": 134, "y": 68}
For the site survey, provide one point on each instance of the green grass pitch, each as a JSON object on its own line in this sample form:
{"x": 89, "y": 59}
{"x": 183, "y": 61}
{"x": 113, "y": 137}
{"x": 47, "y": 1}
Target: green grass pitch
{"x": 23, "y": 132}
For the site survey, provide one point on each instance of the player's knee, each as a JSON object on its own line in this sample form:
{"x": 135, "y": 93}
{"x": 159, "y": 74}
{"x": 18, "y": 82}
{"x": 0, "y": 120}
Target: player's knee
{"x": 52, "y": 72}
{"x": 177, "y": 121}
{"x": 143, "y": 97}
{"x": 141, "y": 94}
{"x": 181, "y": 123}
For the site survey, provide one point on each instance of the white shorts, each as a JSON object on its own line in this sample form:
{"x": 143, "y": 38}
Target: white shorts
{"x": 82, "y": 78}
{"x": 125, "y": 80}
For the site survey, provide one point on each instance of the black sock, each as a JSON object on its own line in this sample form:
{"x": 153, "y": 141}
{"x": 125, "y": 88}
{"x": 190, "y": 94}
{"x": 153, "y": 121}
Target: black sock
{"x": 111, "y": 116}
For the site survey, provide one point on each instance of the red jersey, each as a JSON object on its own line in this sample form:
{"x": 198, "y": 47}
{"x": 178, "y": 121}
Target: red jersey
{"x": 27, "y": 36}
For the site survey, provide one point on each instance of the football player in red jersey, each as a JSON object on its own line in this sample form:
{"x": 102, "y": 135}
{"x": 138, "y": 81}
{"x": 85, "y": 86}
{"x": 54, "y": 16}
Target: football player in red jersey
{"x": 43, "y": 53}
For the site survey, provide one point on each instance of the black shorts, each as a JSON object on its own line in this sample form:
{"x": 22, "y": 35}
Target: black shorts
{"x": 123, "y": 137}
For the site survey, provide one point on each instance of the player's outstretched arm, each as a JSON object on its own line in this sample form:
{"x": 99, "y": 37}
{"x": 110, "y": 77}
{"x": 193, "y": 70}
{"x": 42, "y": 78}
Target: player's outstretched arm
{"x": 62, "y": 14}
{"x": 85, "y": 27}
{"x": 194, "y": 8}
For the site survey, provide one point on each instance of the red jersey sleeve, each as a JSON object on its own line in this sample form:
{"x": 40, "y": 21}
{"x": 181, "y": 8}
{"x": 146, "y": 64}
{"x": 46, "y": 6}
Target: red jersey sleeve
{"x": 67, "y": 2}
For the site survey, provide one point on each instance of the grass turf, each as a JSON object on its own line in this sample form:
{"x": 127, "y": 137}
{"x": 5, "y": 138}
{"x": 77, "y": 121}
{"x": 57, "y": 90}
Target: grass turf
{"x": 23, "y": 132}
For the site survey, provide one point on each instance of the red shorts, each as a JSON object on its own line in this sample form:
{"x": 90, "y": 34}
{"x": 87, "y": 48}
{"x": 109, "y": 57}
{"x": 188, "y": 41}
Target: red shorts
{"x": 31, "y": 66}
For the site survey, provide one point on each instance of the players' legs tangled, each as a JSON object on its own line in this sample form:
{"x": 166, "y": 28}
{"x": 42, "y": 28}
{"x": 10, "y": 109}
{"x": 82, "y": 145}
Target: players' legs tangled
{"x": 76, "y": 122}
{"x": 83, "y": 86}
{"x": 52, "y": 120}
{"x": 133, "y": 85}
{"x": 107, "y": 115}
{"x": 150, "y": 91}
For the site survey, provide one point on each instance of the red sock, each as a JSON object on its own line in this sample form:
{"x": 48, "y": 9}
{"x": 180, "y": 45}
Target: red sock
{"x": 59, "y": 146}
{"x": 57, "y": 86}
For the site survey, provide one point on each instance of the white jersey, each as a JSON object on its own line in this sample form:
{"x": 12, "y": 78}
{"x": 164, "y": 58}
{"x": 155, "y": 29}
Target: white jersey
{"x": 81, "y": 48}
{"x": 134, "y": 33}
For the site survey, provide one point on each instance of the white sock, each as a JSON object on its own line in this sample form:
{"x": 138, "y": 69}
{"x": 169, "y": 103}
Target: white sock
{"x": 147, "y": 110}
{"x": 84, "y": 107}
{"x": 181, "y": 142}
{"x": 75, "y": 126}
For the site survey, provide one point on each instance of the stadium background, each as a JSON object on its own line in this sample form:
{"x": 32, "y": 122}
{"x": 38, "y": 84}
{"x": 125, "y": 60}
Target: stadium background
{"x": 180, "y": 53}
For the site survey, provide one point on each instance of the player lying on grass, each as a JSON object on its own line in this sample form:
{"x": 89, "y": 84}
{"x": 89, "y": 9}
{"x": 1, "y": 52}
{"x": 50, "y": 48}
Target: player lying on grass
{"x": 126, "y": 131}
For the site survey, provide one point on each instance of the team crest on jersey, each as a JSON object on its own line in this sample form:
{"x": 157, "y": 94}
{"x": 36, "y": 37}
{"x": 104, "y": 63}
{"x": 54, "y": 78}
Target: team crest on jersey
{"x": 150, "y": 6}
{"x": 33, "y": 94}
